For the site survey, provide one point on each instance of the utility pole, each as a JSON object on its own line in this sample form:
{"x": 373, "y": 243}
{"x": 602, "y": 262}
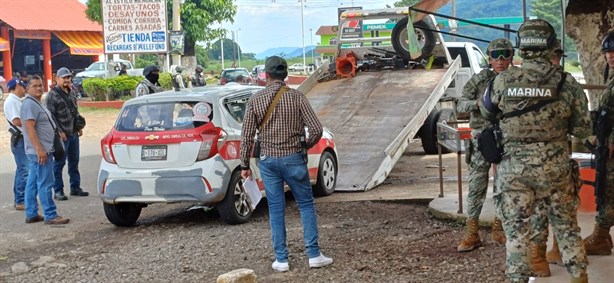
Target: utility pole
{"x": 312, "y": 47}
{"x": 222, "y": 50}
{"x": 176, "y": 26}
{"x": 234, "y": 50}
{"x": 238, "y": 47}
{"x": 303, "y": 36}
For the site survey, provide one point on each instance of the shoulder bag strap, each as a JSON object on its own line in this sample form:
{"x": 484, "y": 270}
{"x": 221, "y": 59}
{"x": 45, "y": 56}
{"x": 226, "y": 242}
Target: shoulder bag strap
{"x": 269, "y": 111}
{"x": 55, "y": 129}
{"x": 538, "y": 105}
{"x": 13, "y": 126}
{"x": 69, "y": 103}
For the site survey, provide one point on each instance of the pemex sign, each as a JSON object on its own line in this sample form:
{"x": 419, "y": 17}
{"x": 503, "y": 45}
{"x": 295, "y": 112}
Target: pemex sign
{"x": 135, "y": 26}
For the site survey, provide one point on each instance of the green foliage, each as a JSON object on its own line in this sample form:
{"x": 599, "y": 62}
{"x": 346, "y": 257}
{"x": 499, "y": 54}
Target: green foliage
{"x": 215, "y": 51}
{"x": 94, "y": 10}
{"x": 202, "y": 57}
{"x": 145, "y": 60}
{"x": 573, "y": 63}
{"x": 406, "y": 3}
{"x": 165, "y": 80}
{"x": 97, "y": 88}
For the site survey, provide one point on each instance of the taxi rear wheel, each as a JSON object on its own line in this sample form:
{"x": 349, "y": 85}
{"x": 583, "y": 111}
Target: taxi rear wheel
{"x": 327, "y": 175}
{"x": 122, "y": 214}
{"x": 235, "y": 207}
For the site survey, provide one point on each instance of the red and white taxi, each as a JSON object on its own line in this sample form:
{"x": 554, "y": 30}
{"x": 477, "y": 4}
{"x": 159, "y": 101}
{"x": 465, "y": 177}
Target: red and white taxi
{"x": 184, "y": 147}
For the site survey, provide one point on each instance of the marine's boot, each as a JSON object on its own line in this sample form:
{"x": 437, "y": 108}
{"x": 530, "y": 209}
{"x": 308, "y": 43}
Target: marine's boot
{"x": 471, "y": 240}
{"x": 582, "y": 279}
{"x": 497, "y": 232}
{"x": 538, "y": 260}
{"x": 553, "y": 256}
{"x": 599, "y": 242}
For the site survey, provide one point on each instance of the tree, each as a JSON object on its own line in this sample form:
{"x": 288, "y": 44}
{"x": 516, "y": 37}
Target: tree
{"x": 214, "y": 51}
{"x": 587, "y": 25}
{"x": 197, "y": 18}
{"x": 550, "y": 10}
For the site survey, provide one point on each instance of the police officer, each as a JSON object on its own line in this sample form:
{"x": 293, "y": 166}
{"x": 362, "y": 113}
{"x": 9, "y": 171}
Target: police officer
{"x": 500, "y": 52}
{"x": 600, "y": 241}
{"x": 198, "y": 79}
{"x": 150, "y": 83}
{"x": 536, "y": 115}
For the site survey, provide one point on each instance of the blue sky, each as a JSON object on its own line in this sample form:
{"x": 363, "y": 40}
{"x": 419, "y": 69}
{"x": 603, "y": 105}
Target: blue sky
{"x": 267, "y": 24}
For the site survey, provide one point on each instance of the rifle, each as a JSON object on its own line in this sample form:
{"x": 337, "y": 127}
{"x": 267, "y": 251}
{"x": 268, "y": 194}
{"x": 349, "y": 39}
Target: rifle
{"x": 601, "y": 152}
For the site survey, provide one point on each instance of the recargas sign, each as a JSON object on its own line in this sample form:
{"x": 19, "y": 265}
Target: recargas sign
{"x": 134, "y": 26}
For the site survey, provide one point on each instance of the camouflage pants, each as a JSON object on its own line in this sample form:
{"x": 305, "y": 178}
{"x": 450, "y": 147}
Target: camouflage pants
{"x": 522, "y": 187}
{"x": 605, "y": 215}
{"x": 478, "y": 179}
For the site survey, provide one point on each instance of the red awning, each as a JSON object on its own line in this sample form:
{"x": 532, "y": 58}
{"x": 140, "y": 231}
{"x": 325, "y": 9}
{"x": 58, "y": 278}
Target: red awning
{"x": 4, "y": 44}
{"x": 51, "y": 15}
{"x": 82, "y": 42}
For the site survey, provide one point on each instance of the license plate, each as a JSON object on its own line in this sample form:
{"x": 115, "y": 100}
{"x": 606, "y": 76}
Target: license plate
{"x": 153, "y": 152}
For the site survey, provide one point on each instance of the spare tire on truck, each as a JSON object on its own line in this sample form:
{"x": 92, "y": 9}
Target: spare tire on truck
{"x": 426, "y": 38}
{"x": 428, "y": 131}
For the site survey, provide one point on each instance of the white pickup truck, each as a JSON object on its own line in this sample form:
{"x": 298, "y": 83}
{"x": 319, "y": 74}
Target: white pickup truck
{"x": 98, "y": 70}
{"x": 473, "y": 61}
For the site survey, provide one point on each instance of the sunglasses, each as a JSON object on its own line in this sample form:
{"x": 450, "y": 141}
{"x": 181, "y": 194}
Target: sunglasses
{"x": 500, "y": 54}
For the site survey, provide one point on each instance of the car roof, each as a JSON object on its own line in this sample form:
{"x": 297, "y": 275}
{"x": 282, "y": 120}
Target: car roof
{"x": 233, "y": 69}
{"x": 209, "y": 93}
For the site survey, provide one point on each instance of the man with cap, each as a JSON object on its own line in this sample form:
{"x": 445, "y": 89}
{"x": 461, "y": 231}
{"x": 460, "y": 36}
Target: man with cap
{"x": 62, "y": 103}
{"x": 12, "y": 112}
{"x": 600, "y": 241}
{"x": 198, "y": 79}
{"x": 150, "y": 84}
{"x": 537, "y": 107}
{"x": 500, "y": 53}
{"x": 281, "y": 161}
{"x": 178, "y": 79}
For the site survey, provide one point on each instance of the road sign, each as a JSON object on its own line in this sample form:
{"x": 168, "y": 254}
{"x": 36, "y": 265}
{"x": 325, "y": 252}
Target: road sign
{"x": 135, "y": 26}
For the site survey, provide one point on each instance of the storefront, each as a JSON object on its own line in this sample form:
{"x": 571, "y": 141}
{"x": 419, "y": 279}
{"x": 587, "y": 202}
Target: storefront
{"x": 46, "y": 36}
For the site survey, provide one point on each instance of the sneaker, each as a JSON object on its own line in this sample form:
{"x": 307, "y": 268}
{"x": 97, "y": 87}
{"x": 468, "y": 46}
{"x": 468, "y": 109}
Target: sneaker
{"x": 60, "y": 196}
{"x": 20, "y": 207}
{"x": 280, "y": 266}
{"x": 320, "y": 261}
{"x": 57, "y": 220}
{"x": 79, "y": 192}
{"x": 35, "y": 219}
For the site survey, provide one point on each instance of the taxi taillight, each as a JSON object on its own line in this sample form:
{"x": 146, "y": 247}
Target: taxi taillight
{"x": 107, "y": 151}
{"x": 212, "y": 141}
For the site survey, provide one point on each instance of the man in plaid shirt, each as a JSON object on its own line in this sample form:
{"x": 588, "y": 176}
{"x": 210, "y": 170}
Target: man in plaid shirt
{"x": 62, "y": 103}
{"x": 281, "y": 158}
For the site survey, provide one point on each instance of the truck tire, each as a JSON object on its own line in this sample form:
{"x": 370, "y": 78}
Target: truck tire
{"x": 235, "y": 208}
{"x": 426, "y": 38}
{"x": 428, "y": 131}
{"x": 122, "y": 214}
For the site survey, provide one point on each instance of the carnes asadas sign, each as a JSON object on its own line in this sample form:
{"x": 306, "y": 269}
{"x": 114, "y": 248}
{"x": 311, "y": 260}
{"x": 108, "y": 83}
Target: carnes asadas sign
{"x": 134, "y": 26}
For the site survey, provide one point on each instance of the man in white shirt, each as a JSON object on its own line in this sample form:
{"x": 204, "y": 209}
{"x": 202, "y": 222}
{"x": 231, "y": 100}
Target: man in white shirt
{"x": 12, "y": 112}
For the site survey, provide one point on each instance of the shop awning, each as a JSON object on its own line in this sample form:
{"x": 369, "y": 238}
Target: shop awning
{"x": 82, "y": 42}
{"x": 4, "y": 44}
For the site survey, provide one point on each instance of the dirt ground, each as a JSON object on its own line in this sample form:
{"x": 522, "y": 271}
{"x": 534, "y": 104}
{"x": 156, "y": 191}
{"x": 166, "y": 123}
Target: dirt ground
{"x": 370, "y": 240}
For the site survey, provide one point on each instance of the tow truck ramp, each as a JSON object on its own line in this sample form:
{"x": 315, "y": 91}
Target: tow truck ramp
{"x": 373, "y": 116}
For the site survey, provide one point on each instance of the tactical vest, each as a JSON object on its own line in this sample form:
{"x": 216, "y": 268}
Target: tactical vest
{"x": 548, "y": 123}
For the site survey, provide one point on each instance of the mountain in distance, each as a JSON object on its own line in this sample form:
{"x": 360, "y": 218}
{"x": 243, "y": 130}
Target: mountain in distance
{"x": 286, "y": 52}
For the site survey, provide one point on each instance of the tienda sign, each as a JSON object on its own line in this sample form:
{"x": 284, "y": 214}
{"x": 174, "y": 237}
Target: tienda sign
{"x": 134, "y": 26}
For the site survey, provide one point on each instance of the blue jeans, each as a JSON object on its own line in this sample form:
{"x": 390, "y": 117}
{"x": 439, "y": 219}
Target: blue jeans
{"x": 21, "y": 173}
{"x": 72, "y": 154}
{"x": 40, "y": 182}
{"x": 292, "y": 170}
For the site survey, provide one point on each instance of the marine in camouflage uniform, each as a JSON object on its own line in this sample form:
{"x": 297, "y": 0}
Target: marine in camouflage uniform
{"x": 600, "y": 241}
{"x": 500, "y": 52}
{"x": 535, "y": 169}
{"x": 539, "y": 221}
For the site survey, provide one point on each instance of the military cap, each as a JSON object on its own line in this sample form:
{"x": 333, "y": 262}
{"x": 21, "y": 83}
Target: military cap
{"x": 608, "y": 42}
{"x": 536, "y": 34}
{"x": 276, "y": 65}
{"x": 500, "y": 44}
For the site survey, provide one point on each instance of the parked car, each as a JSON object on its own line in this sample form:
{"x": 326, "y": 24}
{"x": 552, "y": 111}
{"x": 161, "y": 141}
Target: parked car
{"x": 183, "y": 146}
{"x": 3, "y": 87}
{"x": 259, "y": 75}
{"x": 296, "y": 67}
{"x": 230, "y": 75}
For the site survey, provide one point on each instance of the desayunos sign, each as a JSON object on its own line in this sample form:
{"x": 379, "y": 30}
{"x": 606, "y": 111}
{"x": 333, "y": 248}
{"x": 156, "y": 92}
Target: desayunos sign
{"x": 134, "y": 26}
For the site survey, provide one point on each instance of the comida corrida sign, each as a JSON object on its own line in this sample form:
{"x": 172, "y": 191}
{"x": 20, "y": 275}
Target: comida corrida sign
{"x": 134, "y": 26}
